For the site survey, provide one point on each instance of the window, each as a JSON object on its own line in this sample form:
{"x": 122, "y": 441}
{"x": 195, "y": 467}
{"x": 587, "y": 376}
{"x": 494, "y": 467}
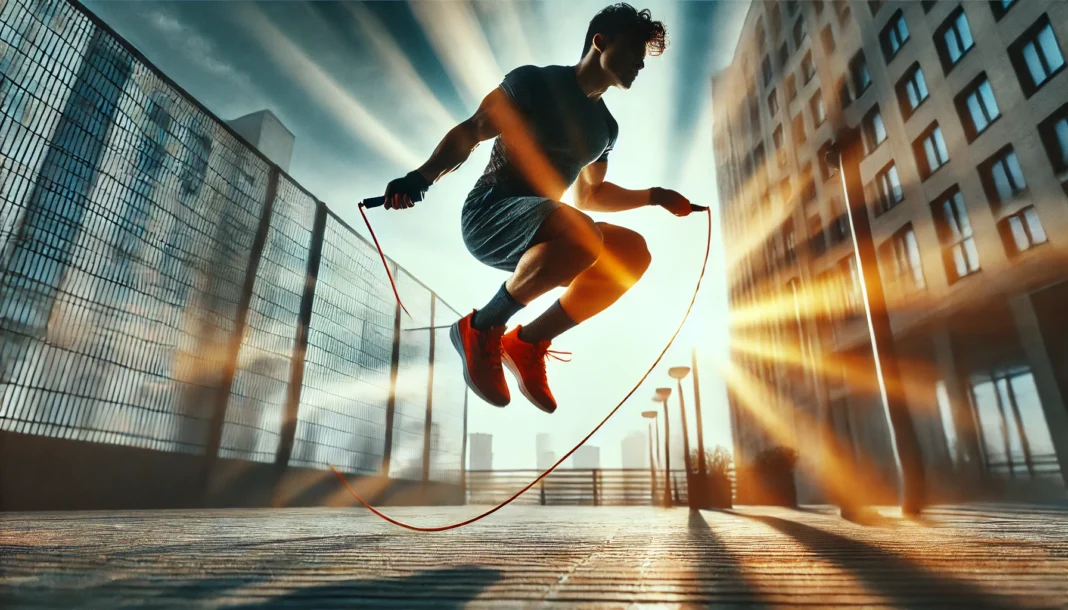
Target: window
{"x": 818, "y": 6}
{"x": 790, "y": 88}
{"x": 930, "y": 150}
{"x": 786, "y": 190}
{"x": 808, "y": 69}
{"x": 911, "y": 90}
{"x": 1002, "y": 178}
{"x": 773, "y": 102}
{"x": 953, "y": 39}
{"x": 845, "y": 98}
{"x": 826, "y": 170}
{"x": 765, "y": 70}
{"x": 1000, "y": 7}
{"x": 839, "y": 228}
{"x": 754, "y": 113}
{"x": 858, "y": 71}
{"x": 841, "y": 7}
{"x": 1036, "y": 56}
{"x": 977, "y": 107}
{"x": 799, "y": 130}
{"x": 1054, "y": 134}
{"x": 959, "y": 254}
{"x": 873, "y": 129}
{"x": 784, "y": 56}
{"x": 875, "y": 5}
{"x": 894, "y": 35}
{"x": 760, "y": 32}
{"x": 827, "y": 37}
{"x": 759, "y": 158}
{"x": 888, "y": 191}
{"x": 900, "y": 257}
{"x": 808, "y": 185}
{"x": 1021, "y": 231}
{"x": 928, "y": 5}
{"x": 799, "y": 31}
{"x": 819, "y": 113}
{"x": 816, "y": 243}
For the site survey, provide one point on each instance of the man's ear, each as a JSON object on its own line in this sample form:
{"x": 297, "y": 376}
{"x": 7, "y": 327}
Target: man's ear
{"x": 598, "y": 43}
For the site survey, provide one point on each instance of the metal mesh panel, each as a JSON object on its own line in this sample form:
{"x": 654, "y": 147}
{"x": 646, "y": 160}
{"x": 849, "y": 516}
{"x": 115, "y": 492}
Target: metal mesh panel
{"x": 447, "y": 415}
{"x": 254, "y": 414}
{"x": 342, "y": 417}
{"x": 127, "y": 219}
{"x": 409, "y": 415}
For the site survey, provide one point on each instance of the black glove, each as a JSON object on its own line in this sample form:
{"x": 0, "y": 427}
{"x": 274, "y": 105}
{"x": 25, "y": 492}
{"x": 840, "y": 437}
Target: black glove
{"x": 405, "y": 192}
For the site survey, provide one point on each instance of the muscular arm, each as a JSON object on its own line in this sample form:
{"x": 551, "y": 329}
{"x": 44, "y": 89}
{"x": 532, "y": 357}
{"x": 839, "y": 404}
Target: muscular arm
{"x": 593, "y": 194}
{"x": 462, "y": 139}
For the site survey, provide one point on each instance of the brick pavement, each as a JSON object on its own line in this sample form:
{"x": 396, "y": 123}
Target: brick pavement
{"x": 539, "y": 557}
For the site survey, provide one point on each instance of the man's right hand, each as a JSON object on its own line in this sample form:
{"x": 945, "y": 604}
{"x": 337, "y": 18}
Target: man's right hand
{"x": 670, "y": 201}
{"x": 405, "y": 192}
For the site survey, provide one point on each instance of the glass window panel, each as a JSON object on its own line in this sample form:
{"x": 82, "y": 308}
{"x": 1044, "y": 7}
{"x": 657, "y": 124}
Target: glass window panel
{"x": 932, "y": 158}
{"x": 972, "y": 254}
{"x": 1061, "y": 129}
{"x": 986, "y": 93}
{"x": 1015, "y": 172}
{"x": 1050, "y": 50}
{"x": 895, "y": 183}
{"x": 990, "y": 423}
{"x": 965, "y": 32}
{"x": 1012, "y": 431}
{"x": 959, "y": 263}
{"x": 978, "y": 116}
{"x": 1034, "y": 226}
{"x": 951, "y": 222}
{"x": 1018, "y": 234}
{"x": 1032, "y": 415}
{"x": 1001, "y": 181}
{"x": 943, "y": 153}
{"x": 945, "y": 410}
{"x": 1034, "y": 64}
{"x": 914, "y": 258}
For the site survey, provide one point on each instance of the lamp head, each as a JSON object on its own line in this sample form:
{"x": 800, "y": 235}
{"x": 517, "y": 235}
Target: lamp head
{"x": 650, "y": 414}
{"x": 662, "y": 393}
{"x": 678, "y": 372}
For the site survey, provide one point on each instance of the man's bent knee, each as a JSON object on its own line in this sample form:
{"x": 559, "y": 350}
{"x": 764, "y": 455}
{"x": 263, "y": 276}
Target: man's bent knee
{"x": 629, "y": 249}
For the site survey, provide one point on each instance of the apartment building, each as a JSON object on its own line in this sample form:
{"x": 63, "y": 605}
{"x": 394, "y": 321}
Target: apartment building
{"x": 963, "y": 111}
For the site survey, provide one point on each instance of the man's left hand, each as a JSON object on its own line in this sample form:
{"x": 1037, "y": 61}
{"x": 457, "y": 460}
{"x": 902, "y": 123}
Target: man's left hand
{"x": 670, "y": 200}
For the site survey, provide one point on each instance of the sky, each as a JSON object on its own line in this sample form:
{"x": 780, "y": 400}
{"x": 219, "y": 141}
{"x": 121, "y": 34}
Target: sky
{"x": 369, "y": 89}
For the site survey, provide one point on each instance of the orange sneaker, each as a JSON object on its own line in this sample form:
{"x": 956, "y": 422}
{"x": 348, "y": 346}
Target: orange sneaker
{"x": 480, "y": 352}
{"x": 527, "y": 363}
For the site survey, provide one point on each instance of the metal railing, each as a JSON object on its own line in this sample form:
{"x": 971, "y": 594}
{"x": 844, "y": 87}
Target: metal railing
{"x": 563, "y": 486}
{"x": 164, "y": 286}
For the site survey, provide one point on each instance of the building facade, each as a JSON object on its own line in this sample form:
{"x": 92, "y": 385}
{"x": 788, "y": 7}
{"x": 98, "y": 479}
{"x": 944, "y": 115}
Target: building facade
{"x": 963, "y": 112}
{"x": 481, "y": 447}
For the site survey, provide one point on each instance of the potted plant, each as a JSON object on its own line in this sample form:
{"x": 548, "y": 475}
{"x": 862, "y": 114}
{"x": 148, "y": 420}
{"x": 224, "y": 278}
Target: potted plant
{"x": 715, "y": 490}
{"x": 770, "y": 478}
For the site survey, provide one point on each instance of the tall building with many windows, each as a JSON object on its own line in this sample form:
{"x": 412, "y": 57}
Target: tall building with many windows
{"x": 963, "y": 111}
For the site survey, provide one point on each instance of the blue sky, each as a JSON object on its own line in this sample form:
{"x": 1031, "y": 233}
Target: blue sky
{"x": 369, "y": 89}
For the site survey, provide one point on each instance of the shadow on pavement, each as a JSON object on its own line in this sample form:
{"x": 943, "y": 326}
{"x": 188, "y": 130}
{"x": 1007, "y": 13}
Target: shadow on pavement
{"x": 716, "y": 563}
{"x": 899, "y": 579}
{"x": 446, "y": 589}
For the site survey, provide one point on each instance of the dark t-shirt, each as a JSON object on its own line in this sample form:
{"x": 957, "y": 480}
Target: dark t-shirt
{"x": 571, "y": 129}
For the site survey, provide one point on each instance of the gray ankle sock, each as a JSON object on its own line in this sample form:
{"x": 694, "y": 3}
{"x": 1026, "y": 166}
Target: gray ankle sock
{"x": 497, "y": 312}
{"x": 548, "y": 326}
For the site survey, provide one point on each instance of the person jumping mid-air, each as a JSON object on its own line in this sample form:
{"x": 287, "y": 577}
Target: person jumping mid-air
{"x": 553, "y": 131}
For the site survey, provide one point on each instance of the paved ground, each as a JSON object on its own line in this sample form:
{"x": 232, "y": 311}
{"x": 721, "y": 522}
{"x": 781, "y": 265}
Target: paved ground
{"x": 542, "y": 557}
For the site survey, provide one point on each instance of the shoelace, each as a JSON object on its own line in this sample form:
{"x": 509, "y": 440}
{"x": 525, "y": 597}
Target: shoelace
{"x": 491, "y": 345}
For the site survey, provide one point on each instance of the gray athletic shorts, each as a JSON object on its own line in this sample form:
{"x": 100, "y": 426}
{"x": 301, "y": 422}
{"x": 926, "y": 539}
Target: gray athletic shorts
{"x": 499, "y": 226}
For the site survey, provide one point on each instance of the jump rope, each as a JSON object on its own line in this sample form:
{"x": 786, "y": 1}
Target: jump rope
{"x": 378, "y": 201}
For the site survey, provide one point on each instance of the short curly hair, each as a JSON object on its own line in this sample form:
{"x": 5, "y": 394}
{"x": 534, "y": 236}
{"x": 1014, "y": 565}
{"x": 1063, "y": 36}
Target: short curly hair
{"x": 622, "y": 17}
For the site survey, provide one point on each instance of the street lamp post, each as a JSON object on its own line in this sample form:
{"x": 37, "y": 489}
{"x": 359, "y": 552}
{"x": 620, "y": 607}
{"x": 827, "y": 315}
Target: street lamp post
{"x": 701, "y": 468}
{"x": 652, "y": 462}
{"x": 678, "y": 373}
{"x": 662, "y": 395}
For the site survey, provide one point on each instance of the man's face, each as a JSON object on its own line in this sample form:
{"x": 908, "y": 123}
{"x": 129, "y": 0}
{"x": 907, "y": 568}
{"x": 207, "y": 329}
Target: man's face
{"x": 623, "y": 57}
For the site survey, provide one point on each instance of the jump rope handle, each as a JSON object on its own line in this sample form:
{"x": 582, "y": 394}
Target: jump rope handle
{"x": 374, "y": 202}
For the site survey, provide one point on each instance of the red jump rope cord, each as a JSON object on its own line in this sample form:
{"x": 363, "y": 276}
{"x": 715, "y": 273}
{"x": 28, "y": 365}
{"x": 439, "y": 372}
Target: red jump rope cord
{"x": 442, "y": 528}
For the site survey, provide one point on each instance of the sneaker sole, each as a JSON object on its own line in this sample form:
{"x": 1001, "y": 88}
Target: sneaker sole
{"x": 507, "y": 360}
{"x": 457, "y": 342}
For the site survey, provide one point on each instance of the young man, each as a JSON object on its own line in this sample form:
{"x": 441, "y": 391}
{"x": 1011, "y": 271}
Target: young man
{"x": 552, "y": 131}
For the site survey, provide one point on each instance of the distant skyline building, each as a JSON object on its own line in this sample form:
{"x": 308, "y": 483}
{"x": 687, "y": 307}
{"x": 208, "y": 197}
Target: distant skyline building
{"x": 587, "y": 456}
{"x": 481, "y": 447}
{"x": 545, "y": 456}
{"x": 635, "y": 450}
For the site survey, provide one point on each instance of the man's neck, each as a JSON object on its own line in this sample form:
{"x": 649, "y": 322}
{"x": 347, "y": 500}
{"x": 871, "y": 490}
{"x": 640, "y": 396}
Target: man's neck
{"x": 591, "y": 77}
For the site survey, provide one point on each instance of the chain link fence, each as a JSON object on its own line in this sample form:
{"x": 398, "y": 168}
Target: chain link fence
{"x": 166, "y": 287}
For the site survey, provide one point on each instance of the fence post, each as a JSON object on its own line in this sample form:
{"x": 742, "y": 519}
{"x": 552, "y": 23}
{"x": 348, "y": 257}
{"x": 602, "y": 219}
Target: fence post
{"x": 391, "y": 405}
{"x": 222, "y": 394}
{"x": 596, "y": 495}
{"x": 541, "y": 491}
{"x": 429, "y": 395}
{"x": 300, "y": 347}
{"x": 463, "y": 451}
